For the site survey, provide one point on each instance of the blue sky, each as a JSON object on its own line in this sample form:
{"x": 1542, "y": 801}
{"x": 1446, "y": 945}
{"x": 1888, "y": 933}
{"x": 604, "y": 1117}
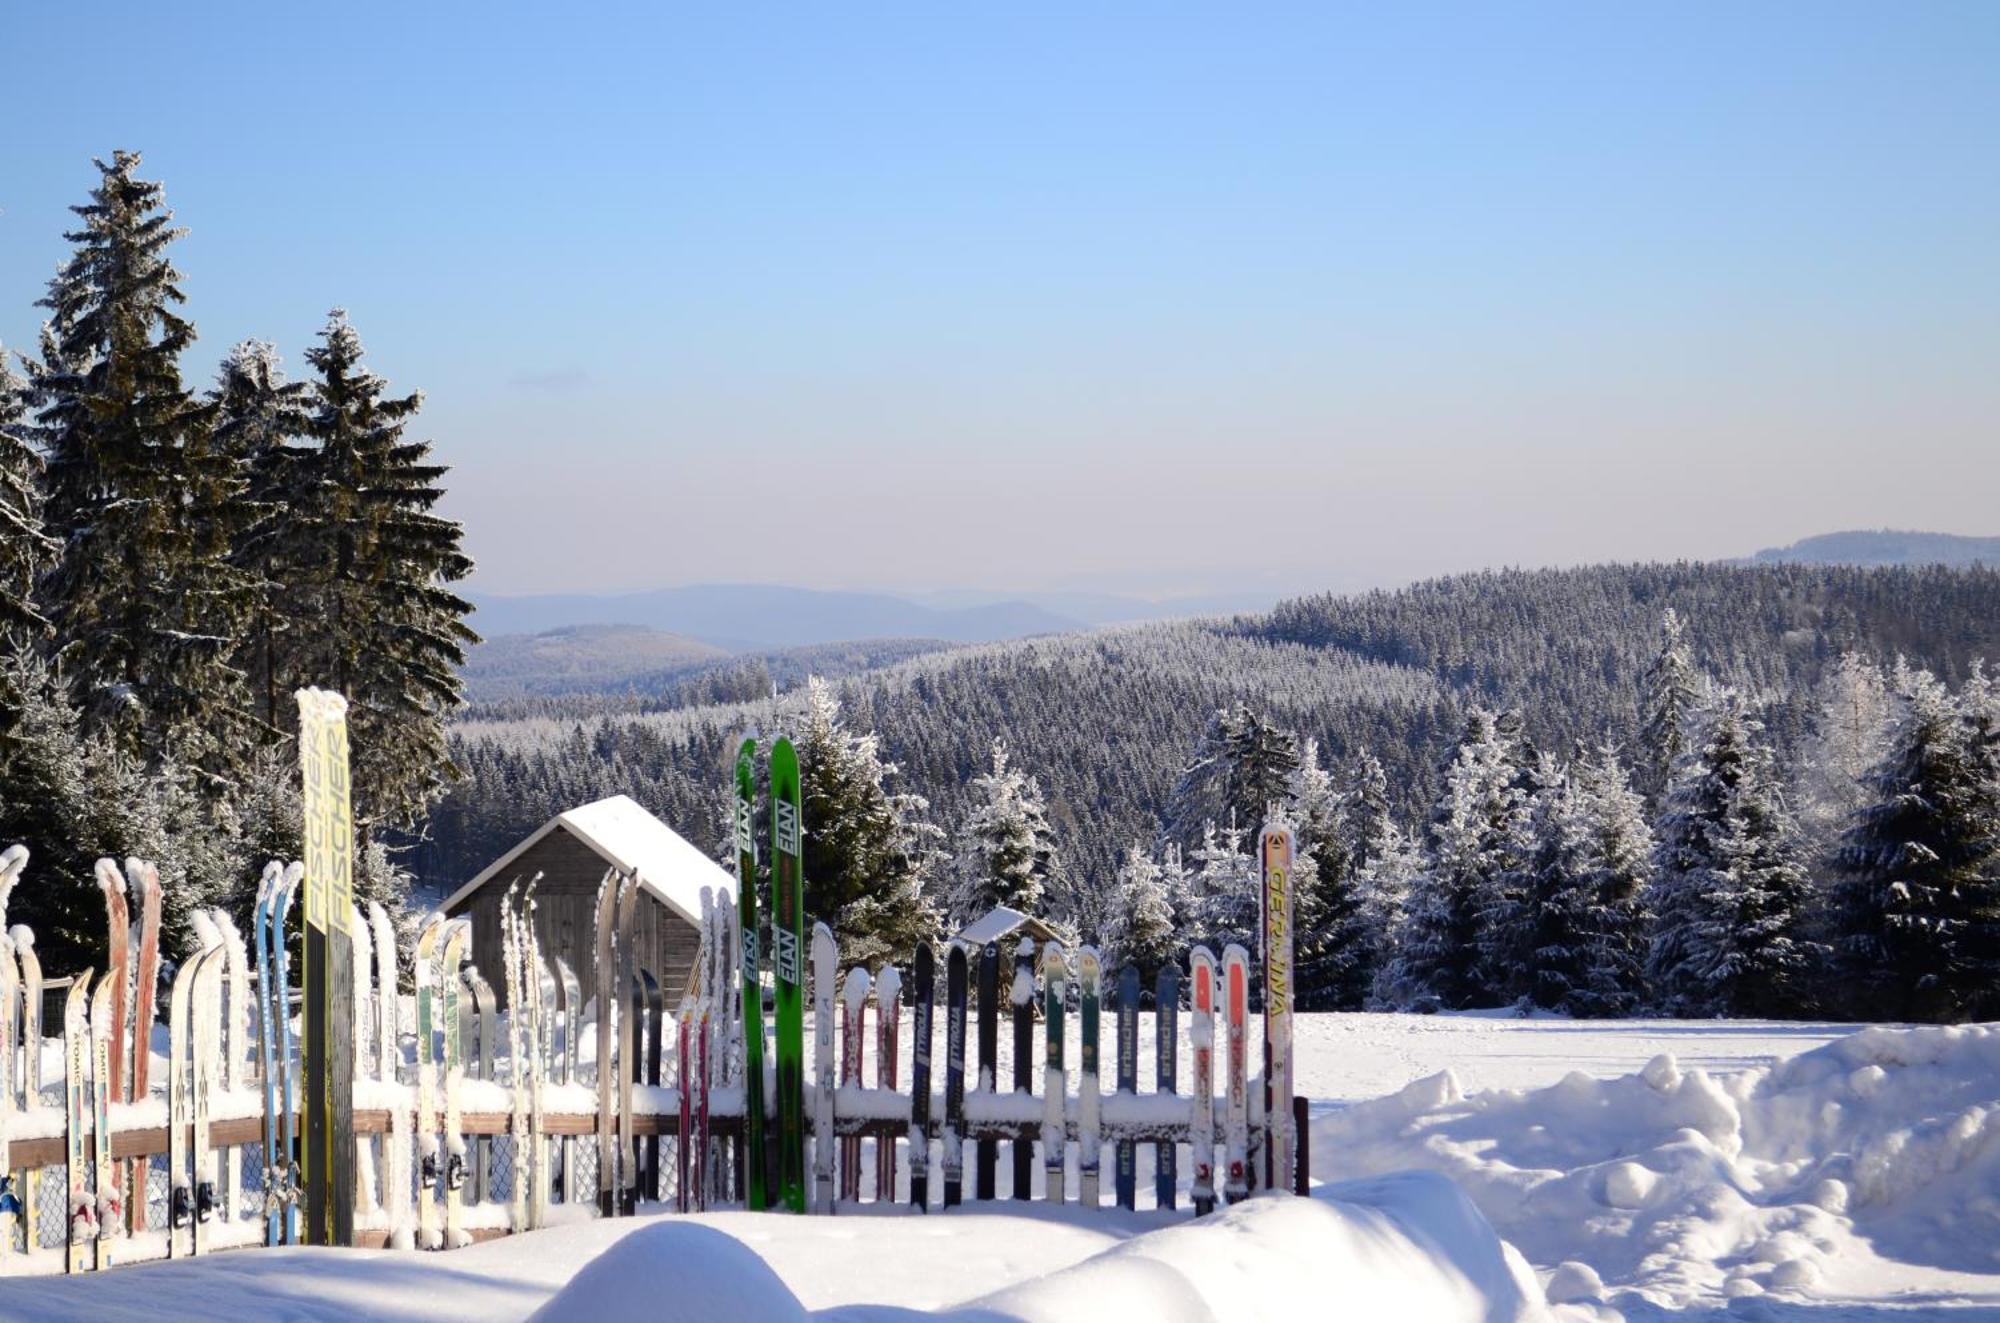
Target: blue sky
{"x": 1150, "y": 298}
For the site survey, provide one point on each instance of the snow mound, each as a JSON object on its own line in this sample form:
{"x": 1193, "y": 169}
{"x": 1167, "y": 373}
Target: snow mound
{"x": 1676, "y": 1185}
{"x": 674, "y": 1272}
{"x": 1409, "y": 1246}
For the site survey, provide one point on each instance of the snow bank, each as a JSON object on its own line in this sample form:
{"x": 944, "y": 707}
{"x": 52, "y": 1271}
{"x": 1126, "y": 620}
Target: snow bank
{"x": 1674, "y": 1185}
{"x": 1408, "y": 1246}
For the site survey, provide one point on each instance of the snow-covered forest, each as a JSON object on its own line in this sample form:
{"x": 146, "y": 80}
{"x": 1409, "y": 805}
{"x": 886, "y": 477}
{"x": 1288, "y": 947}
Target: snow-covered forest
{"x": 1697, "y": 789}
{"x": 177, "y": 560}
{"x": 1702, "y": 789}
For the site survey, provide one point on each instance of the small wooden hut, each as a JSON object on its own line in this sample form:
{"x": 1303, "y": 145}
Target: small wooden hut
{"x": 571, "y": 851}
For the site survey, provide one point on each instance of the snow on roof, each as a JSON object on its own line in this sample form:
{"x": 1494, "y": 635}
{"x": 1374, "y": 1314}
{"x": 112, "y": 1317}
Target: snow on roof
{"x": 998, "y": 922}
{"x": 629, "y": 838}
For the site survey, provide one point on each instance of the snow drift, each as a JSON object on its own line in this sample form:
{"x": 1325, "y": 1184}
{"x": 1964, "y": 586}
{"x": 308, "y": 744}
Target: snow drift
{"x": 1408, "y": 1246}
{"x": 1675, "y": 1185}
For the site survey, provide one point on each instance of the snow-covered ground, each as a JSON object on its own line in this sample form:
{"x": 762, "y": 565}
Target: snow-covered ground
{"x": 1857, "y": 1181}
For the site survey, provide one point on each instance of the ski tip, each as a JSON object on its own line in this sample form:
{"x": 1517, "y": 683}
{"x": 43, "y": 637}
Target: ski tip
{"x": 855, "y": 990}
{"x": 295, "y": 872}
{"x": 109, "y": 877}
{"x": 23, "y": 936}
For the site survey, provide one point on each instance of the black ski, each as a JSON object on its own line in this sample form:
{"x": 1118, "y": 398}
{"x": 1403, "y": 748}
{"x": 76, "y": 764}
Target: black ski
{"x": 925, "y": 977}
{"x": 954, "y": 1076}
{"x": 1166, "y": 1045}
{"x": 1023, "y": 997}
{"x": 1127, "y": 1175}
{"x": 989, "y": 1049}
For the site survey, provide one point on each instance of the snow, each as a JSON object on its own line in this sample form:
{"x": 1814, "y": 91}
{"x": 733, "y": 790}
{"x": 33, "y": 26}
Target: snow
{"x": 1873, "y": 1158}
{"x": 1647, "y": 1170}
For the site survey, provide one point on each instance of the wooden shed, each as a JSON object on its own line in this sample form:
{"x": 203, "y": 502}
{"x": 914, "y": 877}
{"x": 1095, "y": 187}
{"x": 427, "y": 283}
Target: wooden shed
{"x": 572, "y": 851}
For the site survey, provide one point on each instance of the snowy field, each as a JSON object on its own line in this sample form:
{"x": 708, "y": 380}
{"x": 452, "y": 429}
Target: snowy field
{"x": 1856, "y": 1183}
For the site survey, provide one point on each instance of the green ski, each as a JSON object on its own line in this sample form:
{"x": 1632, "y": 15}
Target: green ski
{"x": 755, "y": 1196}
{"x": 788, "y": 939}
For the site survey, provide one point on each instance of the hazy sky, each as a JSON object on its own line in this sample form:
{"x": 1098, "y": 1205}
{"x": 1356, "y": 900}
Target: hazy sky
{"x": 1146, "y": 298}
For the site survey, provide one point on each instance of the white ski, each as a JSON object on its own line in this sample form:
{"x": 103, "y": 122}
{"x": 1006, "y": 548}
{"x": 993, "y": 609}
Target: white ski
{"x": 429, "y": 1234}
{"x": 76, "y": 1090}
{"x": 1201, "y": 1042}
{"x": 458, "y": 937}
{"x": 823, "y": 961}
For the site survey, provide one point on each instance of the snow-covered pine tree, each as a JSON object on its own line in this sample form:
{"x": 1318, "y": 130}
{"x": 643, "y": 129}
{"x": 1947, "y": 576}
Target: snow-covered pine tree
{"x": 1474, "y": 836}
{"x": 1141, "y": 928}
{"x": 1527, "y": 921}
{"x": 1365, "y": 803}
{"x": 143, "y": 602}
{"x": 1200, "y": 791}
{"x": 1223, "y": 886}
{"x": 1919, "y": 906}
{"x": 868, "y": 852}
{"x": 260, "y": 422}
{"x": 1614, "y": 867}
{"x": 1389, "y": 880}
{"x": 1005, "y": 856}
{"x": 1178, "y": 885}
{"x": 1550, "y": 922}
{"x": 1852, "y": 715}
{"x": 25, "y": 550}
{"x": 1262, "y": 763}
{"x": 388, "y": 632}
{"x": 72, "y": 796}
{"x": 1334, "y": 942}
{"x": 1672, "y": 696}
{"x": 1241, "y": 765}
{"x": 1730, "y": 894}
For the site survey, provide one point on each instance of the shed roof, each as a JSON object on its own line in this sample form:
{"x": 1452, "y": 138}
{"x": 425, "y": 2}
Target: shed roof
{"x": 629, "y": 838}
{"x": 999, "y": 922}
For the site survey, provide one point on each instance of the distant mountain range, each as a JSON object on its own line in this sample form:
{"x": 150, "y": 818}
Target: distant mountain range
{"x": 1884, "y": 546}
{"x": 579, "y": 658}
{"x": 753, "y": 617}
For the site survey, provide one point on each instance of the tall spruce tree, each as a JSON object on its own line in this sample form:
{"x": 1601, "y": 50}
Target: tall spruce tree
{"x": 1390, "y": 879}
{"x": 1262, "y": 763}
{"x": 1672, "y": 697}
{"x": 24, "y": 548}
{"x": 1334, "y": 943}
{"x": 260, "y": 422}
{"x": 1613, "y": 866}
{"x": 144, "y": 604}
{"x": 387, "y": 630}
{"x": 1365, "y": 804}
{"x": 1919, "y": 906}
{"x": 1730, "y": 893}
{"x": 868, "y": 852}
{"x": 1552, "y": 916}
{"x": 1004, "y": 856}
{"x": 1474, "y": 837}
